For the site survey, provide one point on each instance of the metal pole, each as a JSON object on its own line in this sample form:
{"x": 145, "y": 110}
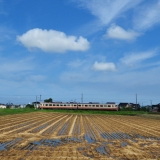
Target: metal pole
{"x": 36, "y": 102}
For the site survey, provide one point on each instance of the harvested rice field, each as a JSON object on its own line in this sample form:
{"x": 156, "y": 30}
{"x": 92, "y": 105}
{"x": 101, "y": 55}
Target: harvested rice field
{"x": 44, "y": 136}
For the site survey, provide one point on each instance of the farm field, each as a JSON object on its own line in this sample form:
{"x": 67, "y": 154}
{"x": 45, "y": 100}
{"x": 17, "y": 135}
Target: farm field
{"x": 40, "y": 135}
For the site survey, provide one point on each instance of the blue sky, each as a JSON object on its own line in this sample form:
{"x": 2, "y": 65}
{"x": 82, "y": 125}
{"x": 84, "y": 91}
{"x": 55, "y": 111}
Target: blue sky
{"x": 108, "y": 50}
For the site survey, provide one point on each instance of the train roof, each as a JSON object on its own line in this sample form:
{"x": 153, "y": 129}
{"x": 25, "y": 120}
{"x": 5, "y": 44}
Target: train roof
{"x": 80, "y": 102}
{"x": 110, "y": 103}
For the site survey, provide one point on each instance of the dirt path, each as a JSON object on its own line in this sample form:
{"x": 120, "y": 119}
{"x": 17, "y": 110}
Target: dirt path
{"x": 71, "y": 130}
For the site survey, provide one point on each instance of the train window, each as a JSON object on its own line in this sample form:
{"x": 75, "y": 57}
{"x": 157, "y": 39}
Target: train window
{"x": 93, "y": 105}
{"x": 75, "y": 105}
{"x": 97, "y": 105}
{"x": 50, "y": 104}
{"x": 57, "y": 104}
{"x": 86, "y": 105}
{"x": 79, "y": 105}
{"x": 90, "y": 105}
{"x": 61, "y": 104}
{"x": 105, "y": 105}
{"x": 46, "y": 104}
{"x": 53, "y": 104}
{"x": 101, "y": 105}
{"x": 109, "y": 105}
{"x": 64, "y": 104}
{"x": 68, "y": 104}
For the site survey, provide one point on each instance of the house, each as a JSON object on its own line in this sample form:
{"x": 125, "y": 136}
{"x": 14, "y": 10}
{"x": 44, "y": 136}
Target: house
{"x": 146, "y": 108}
{"x": 156, "y": 108}
{"x": 10, "y": 105}
{"x": 22, "y": 105}
{"x": 149, "y": 108}
{"x": 124, "y": 105}
{"x": 36, "y": 104}
{"x": 3, "y": 106}
{"x": 129, "y": 105}
{"x": 135, "y": 106}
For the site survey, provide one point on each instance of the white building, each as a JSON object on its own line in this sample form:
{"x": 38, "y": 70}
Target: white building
{"x": 36, "y": 104}
{"x": 22, "y": 106}
{"x": 2, "y": 106}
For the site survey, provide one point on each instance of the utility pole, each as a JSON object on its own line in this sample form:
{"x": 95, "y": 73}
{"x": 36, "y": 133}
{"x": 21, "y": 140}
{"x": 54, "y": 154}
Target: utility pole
{"x": 136, "y": 101}
{"x": 40, "y": 98}
{"x": 151, "y": 105}
{"x": 36, "y": 102}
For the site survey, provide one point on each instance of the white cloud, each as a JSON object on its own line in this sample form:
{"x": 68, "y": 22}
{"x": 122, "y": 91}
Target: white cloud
{"x": 104, "y": 66}
{"x": 147, "y": 16}
{"x": 107, "y": 10}
{"x": 133, "y": 58}
{"x": 116, "y": 32}
{"x": 52, "y": 41}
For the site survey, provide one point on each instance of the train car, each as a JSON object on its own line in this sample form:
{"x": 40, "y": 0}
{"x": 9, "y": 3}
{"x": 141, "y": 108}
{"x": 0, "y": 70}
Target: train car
{"x": 58, "y": 105}
{"x": 98, "y": 106}
{"x": 80, "y": 106}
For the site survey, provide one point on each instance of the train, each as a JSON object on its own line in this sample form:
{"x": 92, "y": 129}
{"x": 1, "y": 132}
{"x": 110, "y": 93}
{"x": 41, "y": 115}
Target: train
{"x": 79, "y": 106}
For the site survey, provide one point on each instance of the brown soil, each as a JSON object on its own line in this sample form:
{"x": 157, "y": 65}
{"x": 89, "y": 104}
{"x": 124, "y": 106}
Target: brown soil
{"x": 37, "y": 136}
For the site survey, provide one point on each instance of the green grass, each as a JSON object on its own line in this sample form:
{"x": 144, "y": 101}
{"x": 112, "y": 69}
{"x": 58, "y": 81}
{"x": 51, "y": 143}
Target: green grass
{"x": 28, "y": 110}
{"x": 4, "y": 112}
{"x": 96, "y": 112}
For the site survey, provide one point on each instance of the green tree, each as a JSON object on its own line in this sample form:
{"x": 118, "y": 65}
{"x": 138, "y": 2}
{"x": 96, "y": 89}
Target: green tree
{"x": 48, "y": 100}
{"x": 29, "y": 106}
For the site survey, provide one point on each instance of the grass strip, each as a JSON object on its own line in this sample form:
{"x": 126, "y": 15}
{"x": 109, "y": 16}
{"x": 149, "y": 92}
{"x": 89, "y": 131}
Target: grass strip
{"x": 132, "y": 113}
{"x": 28, "y": 110}
{"x": 4, "y": 112}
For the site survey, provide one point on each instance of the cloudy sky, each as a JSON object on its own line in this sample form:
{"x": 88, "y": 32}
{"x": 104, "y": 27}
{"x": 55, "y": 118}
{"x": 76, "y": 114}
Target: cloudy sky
{"x": 108, "y": 50}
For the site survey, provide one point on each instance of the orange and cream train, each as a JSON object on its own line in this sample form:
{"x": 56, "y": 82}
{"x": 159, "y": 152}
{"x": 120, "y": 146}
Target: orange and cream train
{"x": 81, "y": 106}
